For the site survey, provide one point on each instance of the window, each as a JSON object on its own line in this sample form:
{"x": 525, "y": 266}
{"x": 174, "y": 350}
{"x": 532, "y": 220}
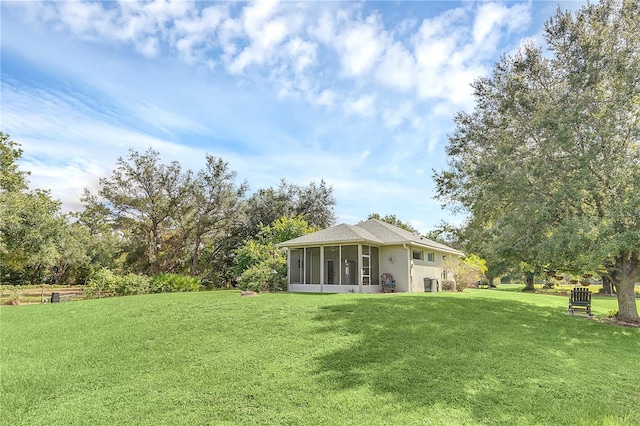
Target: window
{"x": 416, "y": 255}
{"x": 431, "y": 257}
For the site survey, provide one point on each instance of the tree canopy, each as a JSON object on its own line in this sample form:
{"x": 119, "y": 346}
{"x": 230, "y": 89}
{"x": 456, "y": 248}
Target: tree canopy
{"x": 393, "y": 220}
{"x": 547, "y": 165}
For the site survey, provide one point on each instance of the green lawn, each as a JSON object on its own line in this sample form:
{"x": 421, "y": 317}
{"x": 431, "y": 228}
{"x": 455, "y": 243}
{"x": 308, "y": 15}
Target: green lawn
{"x": 480, "y": 357}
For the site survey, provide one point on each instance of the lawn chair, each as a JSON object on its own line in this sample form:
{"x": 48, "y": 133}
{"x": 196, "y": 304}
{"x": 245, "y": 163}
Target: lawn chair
{"x": 580, "y": 300}
{"x": 388, "y": 283}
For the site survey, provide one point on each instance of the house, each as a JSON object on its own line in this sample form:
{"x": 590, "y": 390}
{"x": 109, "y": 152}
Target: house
{"x": 351, "y": 258}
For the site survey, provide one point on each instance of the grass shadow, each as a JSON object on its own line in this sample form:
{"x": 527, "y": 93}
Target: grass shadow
{"x": 494, "y": 359}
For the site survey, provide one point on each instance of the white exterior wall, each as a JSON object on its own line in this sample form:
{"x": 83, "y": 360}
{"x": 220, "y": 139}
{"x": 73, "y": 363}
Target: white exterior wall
{"x": 421, "y": 270}
{"x": 399, "y": 269}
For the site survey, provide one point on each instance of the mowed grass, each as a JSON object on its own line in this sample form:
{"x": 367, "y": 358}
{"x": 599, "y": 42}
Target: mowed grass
{"x": 480, "y": 357}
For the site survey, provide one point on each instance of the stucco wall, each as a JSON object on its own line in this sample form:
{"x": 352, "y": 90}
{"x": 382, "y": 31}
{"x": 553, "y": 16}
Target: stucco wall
{"x": 421, "y": 270}
{"x": 409, "y": 274}
{"x": 399, "y": 269}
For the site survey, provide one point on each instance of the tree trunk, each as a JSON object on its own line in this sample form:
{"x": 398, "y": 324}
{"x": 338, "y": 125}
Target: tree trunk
{"x": 624, "y": 275}
{"x": 490, "y": 280}
{"x": 528, "y": 283}
{"x": 154, "y": 241}
{"x": 194, "y": 258}
{"x": 607, "y": 285}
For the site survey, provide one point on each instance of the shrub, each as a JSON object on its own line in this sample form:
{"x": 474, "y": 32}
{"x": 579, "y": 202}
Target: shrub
{"x": 102, "y": 282}
{"x": 264, "y": 276}
{"x": 448, "y": 285}
{"x": 133, "y": 284}
{"x": 105, "y": 282}
{"x": 613, "y": 313}
{"x": 255, "y": 278}
{"x": 170, "y": 283}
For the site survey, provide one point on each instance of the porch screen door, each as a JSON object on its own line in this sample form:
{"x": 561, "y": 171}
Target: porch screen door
{"x": 366, "y": 265}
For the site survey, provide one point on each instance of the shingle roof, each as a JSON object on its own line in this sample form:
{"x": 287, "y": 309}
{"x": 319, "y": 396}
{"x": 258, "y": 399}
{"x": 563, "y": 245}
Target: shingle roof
{"x": 374, "y": 232}
{"x": 342, "y": 233}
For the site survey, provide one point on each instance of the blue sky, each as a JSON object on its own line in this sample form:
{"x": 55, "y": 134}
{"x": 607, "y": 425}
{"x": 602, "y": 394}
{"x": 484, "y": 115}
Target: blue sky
{"x": 361, "y": 95}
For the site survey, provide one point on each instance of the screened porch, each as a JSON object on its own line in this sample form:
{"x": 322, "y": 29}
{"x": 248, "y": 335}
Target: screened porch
{"x": 334, "y": 269}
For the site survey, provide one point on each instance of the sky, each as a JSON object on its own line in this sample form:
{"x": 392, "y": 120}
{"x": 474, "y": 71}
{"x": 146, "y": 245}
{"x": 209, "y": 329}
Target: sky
{"x": 361, "y": 95}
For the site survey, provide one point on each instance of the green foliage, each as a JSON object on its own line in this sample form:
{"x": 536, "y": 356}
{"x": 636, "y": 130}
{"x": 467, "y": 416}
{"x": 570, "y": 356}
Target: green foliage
{"x": 12, "y": 179}
{"x": 314, "y": 203}
{"x": 548, "y": 163}
{"x": 170, "y": 283}
{"x": 259, "y": 264}
{"x": 131, "y": 284}
{"x": 266, "y": 275}
{"x": 30, "y": 227}
{"x": 393, "y": 220}
{"x": 105, "y": 282}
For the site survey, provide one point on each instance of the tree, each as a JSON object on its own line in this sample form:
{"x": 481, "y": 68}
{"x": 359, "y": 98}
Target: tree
{"x": 30, "y": 221}
{"x": 215, "y": 208}
{"x": 144, "y": 198}
{"x": 260, "y": 265}
{"x": 549, "y": 160}
{"x": 314, "y": 203}
{"x": 393, "y": 220}
{"x": 71, "y": 246}
{"x": 30, "y": 224}
{"x": 12, "y": 179}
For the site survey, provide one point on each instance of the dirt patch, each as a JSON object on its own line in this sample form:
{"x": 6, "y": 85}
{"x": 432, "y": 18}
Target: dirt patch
{"x": 615, "y": 321}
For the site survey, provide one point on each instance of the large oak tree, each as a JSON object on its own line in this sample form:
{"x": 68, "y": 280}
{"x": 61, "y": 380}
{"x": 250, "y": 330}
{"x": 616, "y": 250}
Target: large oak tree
{"x": 548, "y": 162}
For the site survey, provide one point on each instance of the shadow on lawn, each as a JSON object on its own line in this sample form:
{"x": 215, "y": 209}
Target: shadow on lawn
{"x": 499, "y": 361}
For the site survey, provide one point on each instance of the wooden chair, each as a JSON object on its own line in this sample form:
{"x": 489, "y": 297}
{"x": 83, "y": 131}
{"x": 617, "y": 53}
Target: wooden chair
{"x": 580, "y": 300}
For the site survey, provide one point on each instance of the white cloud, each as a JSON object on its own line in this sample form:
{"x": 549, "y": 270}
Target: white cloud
{"x": 363, "y": 106}
{"x": 397, "y": 68}
{"x": 360, "y": 46}
{"x": 394, "y": 117}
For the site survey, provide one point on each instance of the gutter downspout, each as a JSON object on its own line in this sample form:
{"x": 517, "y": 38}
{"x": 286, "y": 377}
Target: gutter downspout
{"x": 409, "y": 267}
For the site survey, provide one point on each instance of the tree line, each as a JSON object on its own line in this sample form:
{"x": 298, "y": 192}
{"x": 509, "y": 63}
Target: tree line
{"x": 148, "y": 218}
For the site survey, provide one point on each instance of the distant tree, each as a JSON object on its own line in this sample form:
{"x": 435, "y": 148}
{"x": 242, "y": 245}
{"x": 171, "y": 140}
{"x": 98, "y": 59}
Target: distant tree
{"x": 12, "y": 179}
{"x": 144, "y": 197}
{"x": 314, "y": 203}
{"x": 393, "y": 220}
{"x": 30, "y": 222}
{"x": 71, "y": 247}
{"x": 549, "y": 160}
{"x": 215, "y": 208}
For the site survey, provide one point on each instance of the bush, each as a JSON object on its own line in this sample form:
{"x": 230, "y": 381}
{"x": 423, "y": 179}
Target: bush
{"x": 171, "y": 283}
{"x": 448, "y": 285}
{"x": 133, "y": 284}
{"x": 106, "y": 283}
{"x": 102, "y": 282}
{"x": 264, "y": 276}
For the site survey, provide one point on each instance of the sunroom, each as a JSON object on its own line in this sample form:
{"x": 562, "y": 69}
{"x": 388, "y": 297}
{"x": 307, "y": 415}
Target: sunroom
{"x": 352, "y": 258}
{"x": 340, "y": 268}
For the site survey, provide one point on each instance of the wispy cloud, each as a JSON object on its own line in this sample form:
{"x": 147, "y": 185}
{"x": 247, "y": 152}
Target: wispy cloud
{"x": 360, "y": 94}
